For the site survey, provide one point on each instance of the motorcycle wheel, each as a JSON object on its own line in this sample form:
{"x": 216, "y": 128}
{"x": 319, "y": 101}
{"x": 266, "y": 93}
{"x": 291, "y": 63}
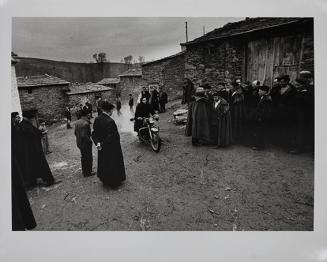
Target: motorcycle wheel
{"x": 155, "y": 143}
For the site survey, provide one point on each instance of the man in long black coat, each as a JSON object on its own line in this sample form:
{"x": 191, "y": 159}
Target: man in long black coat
{"x": 22, "y": 215}
{"x": 111, "y": 168}
{"x": 33, "y": 162}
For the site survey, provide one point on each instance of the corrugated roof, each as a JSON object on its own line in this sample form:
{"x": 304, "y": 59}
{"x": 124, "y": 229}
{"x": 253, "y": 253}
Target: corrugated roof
{"x": 108, "y": 81}
{"x": 132, "y": 72}
{"x": 87, "y": 88}
{"x": 247, "y": 26}
{"x": 40, "y": 80}
{"x": 164, "y": 58}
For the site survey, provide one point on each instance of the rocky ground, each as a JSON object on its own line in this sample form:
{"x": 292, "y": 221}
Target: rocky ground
{"x": 180, "y": 188}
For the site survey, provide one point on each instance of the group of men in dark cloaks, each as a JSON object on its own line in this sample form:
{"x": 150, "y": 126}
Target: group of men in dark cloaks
{"x": 253, "y": 114}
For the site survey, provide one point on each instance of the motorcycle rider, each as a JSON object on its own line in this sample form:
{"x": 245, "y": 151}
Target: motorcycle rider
{"x": 143, "y": 109}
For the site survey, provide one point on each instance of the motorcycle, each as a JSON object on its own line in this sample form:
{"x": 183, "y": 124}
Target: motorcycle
{"x": 149, "y": 133}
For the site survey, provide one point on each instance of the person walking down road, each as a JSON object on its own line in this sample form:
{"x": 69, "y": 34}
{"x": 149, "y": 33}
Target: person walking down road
{"x": 44, "y": 139}
{"x": 131, "y": 102}
{"x": 118, "y": 105}
{"x": 111, "y": 168}
{"x": 89, "y": 108}
{"x": 99, "y": 105}
{"x": 84, "y": 142}
{"x": 68, "y": 116}
{"x": 221, "y": 124}
{"x": 163, "y": 99}
{"x": 34, "y": 163}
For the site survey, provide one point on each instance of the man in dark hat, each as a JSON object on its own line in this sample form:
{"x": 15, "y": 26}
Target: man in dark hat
{"x": 111, "y": 168}
{"x": 34, "y": 163}
{"x": 262, "y": 118}
{"x": 84, "y": 142}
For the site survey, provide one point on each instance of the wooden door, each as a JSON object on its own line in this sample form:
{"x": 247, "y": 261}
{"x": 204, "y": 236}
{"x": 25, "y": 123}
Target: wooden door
{"x": 272, "y": 57}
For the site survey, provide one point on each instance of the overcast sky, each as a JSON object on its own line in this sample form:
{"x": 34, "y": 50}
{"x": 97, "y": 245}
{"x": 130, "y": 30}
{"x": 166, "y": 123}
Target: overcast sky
{"x": 77, "y": 39}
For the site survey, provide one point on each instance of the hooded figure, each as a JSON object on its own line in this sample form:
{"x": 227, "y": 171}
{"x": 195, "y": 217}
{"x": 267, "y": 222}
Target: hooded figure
{"x": 22, "y": 215}
{"x": 34, "y": 164}
{"x": 111, "y": 168}
{"x": 198, "y": 120}
{"x": 238, "y": 112}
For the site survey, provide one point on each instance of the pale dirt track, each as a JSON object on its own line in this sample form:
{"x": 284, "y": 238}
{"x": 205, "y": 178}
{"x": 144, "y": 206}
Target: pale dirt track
{"x": 181, "y": 188}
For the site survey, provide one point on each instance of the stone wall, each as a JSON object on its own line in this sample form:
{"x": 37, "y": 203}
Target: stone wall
{"x": 214, "y": 61}
{"x": 49, "y": 101}
{"x": 70, "y": 71}
{"x": 130, "y": 85}
{"x": 226, "y": 60}
{"x": 168, "y": 73}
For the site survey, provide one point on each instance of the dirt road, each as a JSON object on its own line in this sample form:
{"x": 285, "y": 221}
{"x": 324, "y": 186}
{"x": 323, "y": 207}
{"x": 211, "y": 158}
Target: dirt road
{"x": 181, "y": 188}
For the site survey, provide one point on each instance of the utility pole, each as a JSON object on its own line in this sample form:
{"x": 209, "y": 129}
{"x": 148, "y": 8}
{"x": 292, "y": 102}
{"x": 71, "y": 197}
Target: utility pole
{"x": 204, "y": 30}
{"x": 186, "y": 32}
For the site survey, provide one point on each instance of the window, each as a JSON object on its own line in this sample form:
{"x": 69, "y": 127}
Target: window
{"x": 29, "y": 90}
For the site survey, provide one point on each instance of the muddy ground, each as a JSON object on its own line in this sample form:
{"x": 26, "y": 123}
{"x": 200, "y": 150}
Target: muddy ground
{"x": 181, "y": 188}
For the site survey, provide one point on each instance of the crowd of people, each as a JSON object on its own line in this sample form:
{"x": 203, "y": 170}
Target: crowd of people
{"x": 253, "y": 114}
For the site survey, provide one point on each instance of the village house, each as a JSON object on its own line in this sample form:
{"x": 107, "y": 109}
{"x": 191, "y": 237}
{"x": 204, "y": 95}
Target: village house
{"x": 131, "y": 82}
{"x": 80, "y": 93}
{"x": 167, "y": 72}
{"x": 251, "y": 49}
{"x": 110, "y": 82}
{"x": 43, "y": 95}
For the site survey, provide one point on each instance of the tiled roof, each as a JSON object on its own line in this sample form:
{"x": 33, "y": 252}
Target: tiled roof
{"x": 164, "y": 58}
{"x": 41, "y": 80}
{"x": 246, "y": 26}
{"x": 87, "y": 88}
{"x": 108, "y": 81}
{"x": 132, "y": 72}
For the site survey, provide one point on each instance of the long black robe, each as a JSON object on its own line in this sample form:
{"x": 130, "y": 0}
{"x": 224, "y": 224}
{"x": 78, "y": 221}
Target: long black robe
{"x": 22, "y": 215}
{"x": 32, "y": 159}
{"x": 111, "y": 168}
{"x": 238, "y": 116}
{"x": 221, "y": 124}
{"x": 188, "y": 92}
{"x": 198, "y": 122}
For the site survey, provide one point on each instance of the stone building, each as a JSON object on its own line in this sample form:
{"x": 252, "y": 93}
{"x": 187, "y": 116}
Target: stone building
{"x": 111, "y": 82}
{"x": 167, "y": 72}
{"x": 80, "y": 93}
{"x": 43, "y": 95}
{"x": 131, "y": 82}
{"x": 251, "y": 49}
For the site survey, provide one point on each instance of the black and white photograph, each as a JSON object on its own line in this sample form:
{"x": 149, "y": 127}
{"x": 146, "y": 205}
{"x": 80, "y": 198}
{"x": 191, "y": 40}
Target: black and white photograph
{"x": 126, "y": 124}
{"x": 169, "y": 131}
